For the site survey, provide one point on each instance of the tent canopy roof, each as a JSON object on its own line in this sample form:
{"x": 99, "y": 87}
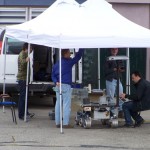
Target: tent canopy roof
{"x": 93, "y": 24}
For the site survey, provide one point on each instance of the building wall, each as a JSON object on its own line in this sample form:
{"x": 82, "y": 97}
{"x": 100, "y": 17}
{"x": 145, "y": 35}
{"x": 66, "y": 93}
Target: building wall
{"x": 137, "y": 11}
{"x": 129, "y": 1}
{"x": 26, "y": 2}
{"x": 30, "y": 2}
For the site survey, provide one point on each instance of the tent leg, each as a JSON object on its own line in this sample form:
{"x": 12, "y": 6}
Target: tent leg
{"x": 4, "y": 45}
{"x": 128, "y": 73}
{"x": 27, "y": 84}
{"x": 99, "y": 68}
{"x": 60, "y": 94}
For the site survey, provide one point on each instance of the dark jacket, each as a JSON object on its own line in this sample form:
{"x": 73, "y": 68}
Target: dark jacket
{"x": 142, "y": 95}
{"x": 22, "y": 66}
{"x": 110, "y": 74}
{"x": 66, "y": 69}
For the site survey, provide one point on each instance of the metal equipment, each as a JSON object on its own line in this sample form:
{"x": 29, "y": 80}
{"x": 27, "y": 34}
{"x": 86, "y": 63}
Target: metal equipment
{"x": 102, "y": 110}
{"x": 96, "y": 111}
{"x": 118, "y": 59}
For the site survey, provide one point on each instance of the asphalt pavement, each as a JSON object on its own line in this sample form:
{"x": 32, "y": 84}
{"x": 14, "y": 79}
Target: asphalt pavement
{"x": 40, "y": 133}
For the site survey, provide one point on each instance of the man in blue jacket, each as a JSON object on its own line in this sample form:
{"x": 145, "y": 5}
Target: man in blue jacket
{"x": 66, "y": 71}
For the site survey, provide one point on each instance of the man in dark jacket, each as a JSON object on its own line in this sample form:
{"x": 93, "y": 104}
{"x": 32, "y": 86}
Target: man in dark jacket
{"x": 111, "y": 71}
{"x": 140, "y": 101}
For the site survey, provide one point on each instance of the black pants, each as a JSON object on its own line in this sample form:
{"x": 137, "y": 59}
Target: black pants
{"x": 21, "y": 102}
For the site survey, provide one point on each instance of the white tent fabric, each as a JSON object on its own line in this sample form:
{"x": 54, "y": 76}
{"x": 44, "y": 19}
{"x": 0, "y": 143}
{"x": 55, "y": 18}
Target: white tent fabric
{"x": 48, "y": 27}
{"x": 93, "y": 24}
{"x": 67, "y": 24}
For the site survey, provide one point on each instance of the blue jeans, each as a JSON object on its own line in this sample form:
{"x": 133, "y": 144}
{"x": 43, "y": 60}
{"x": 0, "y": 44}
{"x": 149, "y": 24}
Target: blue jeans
{"x": 130, "y": 110}
{"x": 66, "y": 104}
{"x": 111, "y": 91}
{"x": 21, "y": 102}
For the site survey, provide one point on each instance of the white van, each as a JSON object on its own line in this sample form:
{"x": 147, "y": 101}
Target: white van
{"x": 41, "y": 62}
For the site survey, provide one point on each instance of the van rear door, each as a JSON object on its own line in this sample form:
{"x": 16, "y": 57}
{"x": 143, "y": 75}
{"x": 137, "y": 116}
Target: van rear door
{"x": 41, "y": 68}
{"x": 12, "y": 50}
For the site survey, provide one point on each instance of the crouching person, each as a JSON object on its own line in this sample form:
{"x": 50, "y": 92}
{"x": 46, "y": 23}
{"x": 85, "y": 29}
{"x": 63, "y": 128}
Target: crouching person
{"x": 66, "y": 71}
{"x": 140, "y": 101}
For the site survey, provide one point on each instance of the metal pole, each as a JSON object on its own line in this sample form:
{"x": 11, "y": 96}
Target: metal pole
{"x": 4, "y": 46}
{"x": 99, "y": 71}
{"x": 60, "y": 92}
{"x": 117, "y": 104}
{"x": 128, "y": 73}
{"x": 27, "y": 84}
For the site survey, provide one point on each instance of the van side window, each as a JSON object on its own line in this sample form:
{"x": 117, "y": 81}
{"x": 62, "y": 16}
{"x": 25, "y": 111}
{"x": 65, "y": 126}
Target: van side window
{"x": 14, "y": 47}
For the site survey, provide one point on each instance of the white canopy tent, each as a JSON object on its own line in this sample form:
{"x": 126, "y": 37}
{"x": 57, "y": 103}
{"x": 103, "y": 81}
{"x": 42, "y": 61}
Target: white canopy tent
{"x": 90, "y": 25}
{"x": 93, "y": 24}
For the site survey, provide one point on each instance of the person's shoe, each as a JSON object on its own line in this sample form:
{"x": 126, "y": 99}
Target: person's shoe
{"x": 57, "y": 125}
{"x": 68, "y": 126}
{"x": 30, "y": 115}
{"x": 129, "y": 125}
{"x": 139, "y": 123}
{"x": 21, "y": 118}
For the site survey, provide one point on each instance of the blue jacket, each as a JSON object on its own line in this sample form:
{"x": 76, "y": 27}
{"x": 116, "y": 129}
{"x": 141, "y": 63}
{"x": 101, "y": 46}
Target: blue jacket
{"x": 66, "y": 69}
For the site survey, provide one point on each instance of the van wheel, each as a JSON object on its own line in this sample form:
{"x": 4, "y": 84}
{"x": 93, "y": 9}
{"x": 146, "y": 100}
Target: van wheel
{"x": 114, "y": 123}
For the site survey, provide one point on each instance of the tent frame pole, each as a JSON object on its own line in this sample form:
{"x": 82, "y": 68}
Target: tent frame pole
{"x": 128, "y": 72}
{"x": 60, "y": 93}
{"x": 99, "y": 70}
{"x": 27, "y": 86}
{"x": 4, "y": 46}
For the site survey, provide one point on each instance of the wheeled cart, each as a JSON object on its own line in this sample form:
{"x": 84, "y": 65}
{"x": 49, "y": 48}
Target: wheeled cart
{"x": 95, "y": 111}
{"x": 103, "y": 110}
